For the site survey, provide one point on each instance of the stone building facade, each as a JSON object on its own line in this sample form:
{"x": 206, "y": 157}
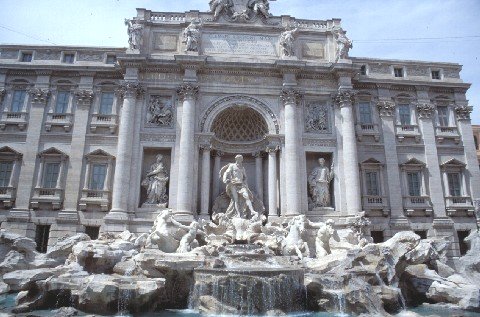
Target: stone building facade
{"x": 99, "y": 139}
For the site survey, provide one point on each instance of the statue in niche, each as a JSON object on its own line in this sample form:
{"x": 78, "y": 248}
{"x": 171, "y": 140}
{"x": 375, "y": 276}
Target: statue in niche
{"x": 319, "y": 183}
{"x": 159, "y": 113}
{"x": 135, "y": 35}
{"x": 217, "y": 7}
{"x": 261, "y": 7}
{"x": 343, "y": 43}
{"x": 287, "y": 41}
{"x": 156, "y": 183}
{"x": 235, "y": 178}
{"x": 316, "y": 118}
{"x": 191, "y": 37}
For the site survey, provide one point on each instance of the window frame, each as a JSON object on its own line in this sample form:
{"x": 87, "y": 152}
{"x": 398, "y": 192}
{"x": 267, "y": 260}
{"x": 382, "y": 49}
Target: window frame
{"x": 6, "y": 182}
{"x": 401, "y": 70}
{"x": 22, "y": 104}
{"x": 23, "y": 54}
{"x": 362, "y": 104}
{"x": 64, "y": 57}
{"x": 111, "y": 105}
{"x": 411, "y": 166}
{"x": 404, "y": 105}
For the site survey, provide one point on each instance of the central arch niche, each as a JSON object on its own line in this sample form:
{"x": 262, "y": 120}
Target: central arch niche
{"x": 239, "y": 124}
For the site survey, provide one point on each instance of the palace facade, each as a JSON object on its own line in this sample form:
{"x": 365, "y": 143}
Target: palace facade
{"x": 99, "y": 139}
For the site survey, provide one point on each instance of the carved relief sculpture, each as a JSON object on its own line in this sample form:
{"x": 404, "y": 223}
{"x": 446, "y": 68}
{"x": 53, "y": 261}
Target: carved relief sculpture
{"x": 319, "y": 183}
{"x": 287, "y": 42}
{"x": 156, "y": 183}
{"x": 343, "y": 43}
{"x": 135, "y": 35}
{"x": 160, "y": 112}
{"x": 191, "y": 37}
{"x": 316, "y": 118}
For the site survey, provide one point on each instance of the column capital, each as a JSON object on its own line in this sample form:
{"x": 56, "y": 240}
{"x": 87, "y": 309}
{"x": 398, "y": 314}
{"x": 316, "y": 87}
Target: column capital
{"x": 386, "y": 108}
{"x": 463, "y": 111}
{"x": 290, "y": 96}
{"x": 257, "y": 154}
{"x": 205, "y": 147}
{"x": 130, "y": 89}
{"x": 38, "y": 95}
{"x": 425, "y": 110}
{"x": 187, "y": 91}
{"x": 344, "y": 98}
{"x": 84, "y": 97}
{"x": 272, "y": 149}
{"x": 219, "y": 153}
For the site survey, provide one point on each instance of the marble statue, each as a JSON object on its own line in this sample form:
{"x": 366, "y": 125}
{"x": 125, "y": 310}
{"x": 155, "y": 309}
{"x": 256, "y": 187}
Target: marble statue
{"x": 135, "y": 35}
{"x": 293, "y": 244}
{"x": 235, "y": 178}
{"x": 217, "y": 7}
{"x": 360, "y": 226}
{"x": 189, "y": 242}
{"x": 343, "y": 43}
{"x": 287, "y": 42}
{"x": 156, "y": 183}
{"x": 322, "y": 239}
{"x": 161, "y": 236}
{"x": 319, "y": 183}
{"x": 261, "y": 7}
{"x": 159, "y": 113}
{"x": 191, "y": 37}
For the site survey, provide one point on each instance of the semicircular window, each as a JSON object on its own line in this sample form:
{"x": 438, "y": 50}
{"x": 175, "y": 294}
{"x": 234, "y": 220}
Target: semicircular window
{"x": 239, "y": 123}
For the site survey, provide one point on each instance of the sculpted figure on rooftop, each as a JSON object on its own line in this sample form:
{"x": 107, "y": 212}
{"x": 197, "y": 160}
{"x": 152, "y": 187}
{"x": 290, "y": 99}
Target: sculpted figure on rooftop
{"x": 191, "y": 37}
{"x": 343, "y": 43}
{"x": 287, "y": 42}
{"x": 262, "y": 8}
{"x": 135, "y": 35}
{"x": 217, "y": 7}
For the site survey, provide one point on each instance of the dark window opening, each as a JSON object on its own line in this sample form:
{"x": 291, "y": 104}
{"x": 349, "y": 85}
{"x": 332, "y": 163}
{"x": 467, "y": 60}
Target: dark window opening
{"x": 377, "y": 236}
{"x": 462, "y": 234}
{"x": 111, "y": 59}
{"x": 435, "y": 74}
{"x": 92, "y": 232}
{"x": 42, "y": 233}
{"x": 476, "y": 141}
{"x": 398, "y": 72}
{"x": 68, "y": 58}
{"x": 27, "y": 57}
{"x": 363, "y": 70}
{"x": 421, "y": 233}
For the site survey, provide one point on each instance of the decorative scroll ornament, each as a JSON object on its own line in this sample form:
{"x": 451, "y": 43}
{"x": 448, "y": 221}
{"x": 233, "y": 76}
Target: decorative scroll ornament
{"x": 135, "y": 34}
{"x": 287, "y": 42}
{"x": 130, "y": 89}
{"x": 160, "y": 112}
{"x": 191, "y": 37}
{"x": 187, "y": 91}
{"x": 39, "y": 95}
{"x": 317, "y": 118}
{"x": 425, "y": 110}
{"x": 386, "y": 108}
{"x": 290, "y": 96}
{"x": 84, "y": 97}
{"x": 240, "y": 11}
{"x": 463, "y": 111}
{"x": 344, "y": 98}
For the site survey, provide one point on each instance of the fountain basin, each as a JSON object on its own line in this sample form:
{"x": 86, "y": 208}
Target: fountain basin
{"x": 248, "y": 291}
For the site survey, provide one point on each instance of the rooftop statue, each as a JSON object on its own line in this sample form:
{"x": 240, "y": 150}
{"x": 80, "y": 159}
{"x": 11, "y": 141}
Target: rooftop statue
{"x": 135, "y": 35}
{"x": 287, "y": 42}
{"x": 262, "y": 7}
{"x": 343, "y": 43}
{"x": 218, "y": 6}
{"x": 191, "y": 37}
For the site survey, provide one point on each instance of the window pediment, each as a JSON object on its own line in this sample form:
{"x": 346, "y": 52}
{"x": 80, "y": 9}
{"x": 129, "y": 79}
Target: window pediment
{"x": 99, "y": 154}
{"x": 8, "y": 152}
{"x": 413, "y": 163}
{"x": 52, "y": 152}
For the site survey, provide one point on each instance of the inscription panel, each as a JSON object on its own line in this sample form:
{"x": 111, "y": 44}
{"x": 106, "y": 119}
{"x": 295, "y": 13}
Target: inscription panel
{"x": 313, "y": 50}
{"x": 165, "y": 42}
{"x": 239, "y": 44}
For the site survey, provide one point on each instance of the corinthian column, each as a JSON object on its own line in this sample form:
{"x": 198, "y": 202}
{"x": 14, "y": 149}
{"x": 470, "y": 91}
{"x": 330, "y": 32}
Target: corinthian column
{"x": 206, "y": 176}
{"x": 129, "y": 90}
{"x": 187, "y": 94}
{"x": 272, "y": 180}
{"x": 290, "y": 98}
{"x": 344, "y": 99}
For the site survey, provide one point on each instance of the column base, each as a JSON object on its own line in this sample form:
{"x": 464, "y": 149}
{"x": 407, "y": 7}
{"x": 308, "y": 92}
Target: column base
{"x": 183, "y": 216}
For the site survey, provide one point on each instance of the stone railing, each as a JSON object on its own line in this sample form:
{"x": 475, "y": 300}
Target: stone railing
{"x": 447, "y": 133}
{"x": 13, "y": 118}
{"x": 309, "y": 24}
{"x": 53, "y": 196}
{"x": 407, "y": 130}
{"x": 366, "y": 129}
{"x": 64, "y": 120}
{"x": 7, "y": 196}
{"x": 109, "y": 121}
{"x": 411, "y": 204}
{"x": 167, "y": 17}
{"x": 98, "y": 198}
{"x": 375, "y": 203}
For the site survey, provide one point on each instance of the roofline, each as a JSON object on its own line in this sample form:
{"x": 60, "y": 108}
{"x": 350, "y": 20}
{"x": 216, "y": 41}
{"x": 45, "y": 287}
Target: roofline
{"x": 68, "y": 47}
{"x": 403, "y": 61}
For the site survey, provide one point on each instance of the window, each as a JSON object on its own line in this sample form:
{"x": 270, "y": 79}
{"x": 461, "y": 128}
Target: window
{"x": 442, "y": 112}
{"x": 18, "y": 100}
{"x": 365, "y": 113}
{"x": 435, "y": 74}
{"x": 377, "y": 236}
{"x": 50, "y": 175}
{"x": 92, "y": 232}
{"x": 68, "y": 58}
{"x": 404, "y": 114}
{"x": 454, "y": 185}
{"x": 371, "y": 180}
{"x": 111, "y": 59}
{"x": 413, "y": 182}
{"x": 475, "y": 139}
{"x": 42, "y": 233}
{"x": 62, "y": 102}
{"x": 462, "y": 235}
{"x": 398, "y": 72}
{"x": 97, "y": 179}
{"x": 26, "y": 57}
{"x": 106, "y": 103}
{"x": 5, "y": 173}
{"x": 421, "y": 233}
{"x": 363, "y": 70}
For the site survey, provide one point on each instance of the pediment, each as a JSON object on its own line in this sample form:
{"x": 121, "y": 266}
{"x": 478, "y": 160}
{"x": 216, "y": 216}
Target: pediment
{"x": 453, "y": 162}
{"x": 372, "y": 161}
{"x": 99, "y": 153}
{"x": 413, "y": 162}
{"x": 7, "y": 151}
{"x": 52, "y": 152}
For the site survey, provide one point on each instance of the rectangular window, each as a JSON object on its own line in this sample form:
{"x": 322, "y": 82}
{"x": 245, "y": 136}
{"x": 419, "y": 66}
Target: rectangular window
{"x": 413, "y": 179}
{"x": 454, "y": 187}
{"x": 111, "y": 59}
{"x": 106, "y": 103}
{"x": 404, "y": 114}
{"x": 365, "y": 113}
{"x": 26, "y": 57}
{"x": 62, "y": 102}
{"x": 363, "y": 70}
{"x": 371, "y": 179}
{"x": 50, "y": 175}
{"x": 42, "y": 233}
{"x": 97, "y": 179}
{"x": 442, "y": 112}
{"x": 435, "y": 74}
{"x": 69, "y": 58}
{"x": 18, "y": 100}
{"x": 5, "y": 173}
{"x": 398, "y": 72}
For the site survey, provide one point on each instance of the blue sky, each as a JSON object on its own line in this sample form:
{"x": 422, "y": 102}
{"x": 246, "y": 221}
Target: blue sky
{"x": 449, "y": 30}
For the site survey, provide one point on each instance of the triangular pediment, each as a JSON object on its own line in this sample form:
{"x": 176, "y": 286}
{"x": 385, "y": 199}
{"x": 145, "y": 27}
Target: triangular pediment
{"x": 413, "y": 161}
{"x": 453, "y": 162}
{"x": 372, "y": 161}
{"x": 100, "y": 153}
{"x": 7, "y": 151}
{"x": 52, "y": 152}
